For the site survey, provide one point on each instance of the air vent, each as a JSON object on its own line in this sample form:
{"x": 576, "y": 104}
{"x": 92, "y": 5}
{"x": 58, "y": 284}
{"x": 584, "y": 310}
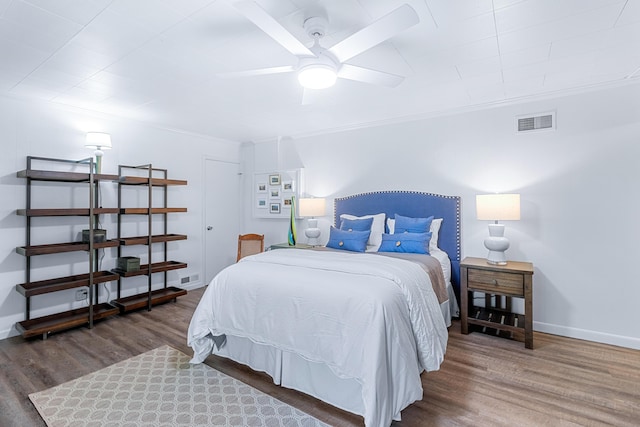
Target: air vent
{"x": 536, "y": 122}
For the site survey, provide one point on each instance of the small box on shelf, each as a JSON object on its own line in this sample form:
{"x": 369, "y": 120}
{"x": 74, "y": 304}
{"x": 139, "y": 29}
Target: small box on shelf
{"x": 99, "y": 236}
{"x": 128, "y": 263}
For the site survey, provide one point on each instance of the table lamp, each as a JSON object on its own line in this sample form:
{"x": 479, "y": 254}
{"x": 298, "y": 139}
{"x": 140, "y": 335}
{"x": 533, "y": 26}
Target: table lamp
{"x": 497, "y": 207}
{"x": 312, "y": 207}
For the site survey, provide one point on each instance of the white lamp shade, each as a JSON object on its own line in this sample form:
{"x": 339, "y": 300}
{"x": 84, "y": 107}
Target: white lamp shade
{"x": 98, "y": 141}
{"x": 495, "y": 207}
{"x": 312, "y": 207}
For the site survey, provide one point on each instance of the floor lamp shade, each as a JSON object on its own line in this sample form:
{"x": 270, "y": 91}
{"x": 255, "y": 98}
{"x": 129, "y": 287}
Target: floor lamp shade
{"x": 497, "y": 207}
{"x": 98, "y": 140}
{"x": 312, "y": 207}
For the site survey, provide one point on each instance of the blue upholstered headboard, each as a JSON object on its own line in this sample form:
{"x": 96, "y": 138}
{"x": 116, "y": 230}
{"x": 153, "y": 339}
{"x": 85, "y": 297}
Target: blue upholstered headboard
{"x": 413, "y": 204}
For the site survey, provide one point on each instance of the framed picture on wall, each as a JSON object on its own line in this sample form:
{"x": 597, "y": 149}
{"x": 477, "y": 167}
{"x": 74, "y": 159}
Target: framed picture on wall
{"x": 276, "y": 187}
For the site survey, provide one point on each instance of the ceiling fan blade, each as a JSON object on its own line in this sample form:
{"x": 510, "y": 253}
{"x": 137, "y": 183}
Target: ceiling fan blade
{"x": 256, "y": 14}
{"x": 257, "y": 72}
{"x": 383, "y": 29}
{"x": 366, "y": 75}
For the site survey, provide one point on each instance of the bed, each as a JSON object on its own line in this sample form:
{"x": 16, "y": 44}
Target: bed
{"x": 355, "y": 330}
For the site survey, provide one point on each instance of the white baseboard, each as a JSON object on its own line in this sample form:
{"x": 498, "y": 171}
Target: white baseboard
{"x": 191, "y": 286}
{"x": 583, "y": 334}
{"x": 8, "y": 333}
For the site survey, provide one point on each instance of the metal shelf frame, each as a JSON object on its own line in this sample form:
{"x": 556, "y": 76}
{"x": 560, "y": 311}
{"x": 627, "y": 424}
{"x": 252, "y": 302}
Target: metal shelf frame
{"x": 94, "y": 276}
{"x": 153, "y": 178}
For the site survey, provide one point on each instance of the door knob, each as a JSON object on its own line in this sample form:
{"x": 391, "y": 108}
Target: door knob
{"x": 209, "y": 228}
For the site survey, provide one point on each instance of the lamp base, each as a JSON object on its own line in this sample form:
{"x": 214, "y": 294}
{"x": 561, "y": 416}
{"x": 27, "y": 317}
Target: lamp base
{"x": 98, "y": 154}
{"x": 313, "y": 232}
{"x": 497, "y": 245}
{"x": 491, "y": 258}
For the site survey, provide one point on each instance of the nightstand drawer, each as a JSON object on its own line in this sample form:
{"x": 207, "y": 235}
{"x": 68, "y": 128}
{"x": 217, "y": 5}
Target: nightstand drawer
{"x": 496, "y": 282}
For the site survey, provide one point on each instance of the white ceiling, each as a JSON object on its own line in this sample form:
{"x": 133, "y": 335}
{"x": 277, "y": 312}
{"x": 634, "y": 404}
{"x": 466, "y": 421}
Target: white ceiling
{"x": 156, "y": 60}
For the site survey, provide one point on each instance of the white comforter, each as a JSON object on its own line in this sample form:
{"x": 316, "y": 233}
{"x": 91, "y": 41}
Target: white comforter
{"x": 372, "y": 318}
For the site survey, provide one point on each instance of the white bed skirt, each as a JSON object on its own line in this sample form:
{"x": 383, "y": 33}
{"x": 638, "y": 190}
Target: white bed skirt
{"x": 315, "y": 379}
{"x": 292, "y": 371}
{"x": 450, "y": 308}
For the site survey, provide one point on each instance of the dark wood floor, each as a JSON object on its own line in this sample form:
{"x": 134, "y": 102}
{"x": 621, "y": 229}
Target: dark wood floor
{"x": 484, "y": 381}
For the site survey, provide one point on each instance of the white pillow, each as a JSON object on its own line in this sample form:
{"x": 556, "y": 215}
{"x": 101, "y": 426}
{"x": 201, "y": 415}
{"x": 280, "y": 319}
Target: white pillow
{"x": 377, "y": 229}
{"x": 434, "y": 229}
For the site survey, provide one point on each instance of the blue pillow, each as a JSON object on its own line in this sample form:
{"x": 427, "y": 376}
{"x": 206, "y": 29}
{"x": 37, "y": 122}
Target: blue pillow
{"x": 348, "y": 240}
{"x": 405, "y": 224}
{"x": 414, "y": 243}
{"x": 356, "y": 224}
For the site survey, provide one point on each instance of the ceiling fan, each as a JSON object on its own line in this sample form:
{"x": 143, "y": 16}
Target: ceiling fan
{"x": 317, "y": 67}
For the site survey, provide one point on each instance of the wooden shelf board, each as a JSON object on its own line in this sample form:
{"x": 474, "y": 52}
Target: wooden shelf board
{"x": 65, "y": 212}
{"x": 157, "y": 267}
{"x": 65, "y": 320}
{"x": 159, "y": 296}
{"x": 143, "y": 240}
{"x": 53, "y": 285}
{"x": 156, "y": 182}
{"x": 145, "y": 211}
{"x": 493, "y": 325}
{"x": 63, "y": 247}
{"x": 42, "y": 175}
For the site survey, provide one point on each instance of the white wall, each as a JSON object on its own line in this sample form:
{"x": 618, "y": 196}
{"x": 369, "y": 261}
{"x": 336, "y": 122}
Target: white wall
{"x": 46, "y": 130}
{"x": 578, "y": 186}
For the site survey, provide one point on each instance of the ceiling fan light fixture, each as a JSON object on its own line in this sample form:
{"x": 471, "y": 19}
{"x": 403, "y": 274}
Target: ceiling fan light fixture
{"x": 317, "y": 76}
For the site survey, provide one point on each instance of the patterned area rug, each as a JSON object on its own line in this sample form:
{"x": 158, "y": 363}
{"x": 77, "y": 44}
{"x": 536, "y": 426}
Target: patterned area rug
{"x": 161, "y": 388}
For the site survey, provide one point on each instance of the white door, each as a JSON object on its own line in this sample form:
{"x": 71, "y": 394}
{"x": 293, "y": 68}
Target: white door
{"x": 222, "y": 215}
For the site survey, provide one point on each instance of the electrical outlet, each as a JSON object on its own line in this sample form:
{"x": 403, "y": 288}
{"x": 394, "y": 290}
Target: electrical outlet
{"x": 81, "y": 294}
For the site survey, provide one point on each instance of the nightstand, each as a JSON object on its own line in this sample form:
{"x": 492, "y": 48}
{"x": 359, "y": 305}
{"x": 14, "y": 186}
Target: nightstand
{"x": 286, "y": 246}
{"x": 512, "y": 280}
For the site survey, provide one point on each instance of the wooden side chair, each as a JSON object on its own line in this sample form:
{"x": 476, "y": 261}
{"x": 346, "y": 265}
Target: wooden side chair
{"x": 250, "y": 244}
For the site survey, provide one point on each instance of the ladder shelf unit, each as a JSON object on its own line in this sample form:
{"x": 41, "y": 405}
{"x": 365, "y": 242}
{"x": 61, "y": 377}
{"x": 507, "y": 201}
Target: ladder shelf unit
{"x": 146, "y": 176}
{"x": 69, "y": 177}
